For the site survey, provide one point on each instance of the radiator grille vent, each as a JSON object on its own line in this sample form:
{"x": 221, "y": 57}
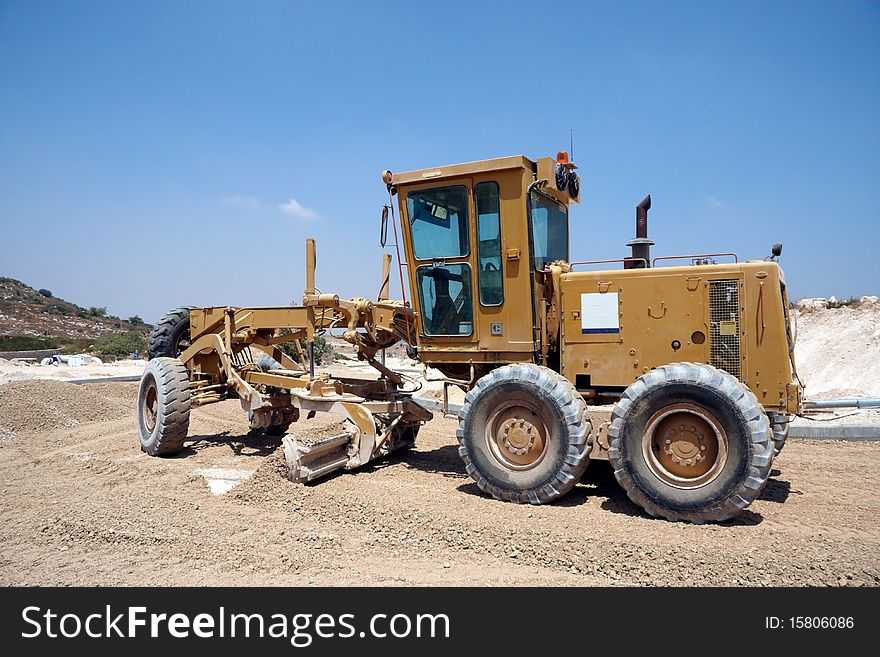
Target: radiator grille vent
{"x": 724, "y": 329}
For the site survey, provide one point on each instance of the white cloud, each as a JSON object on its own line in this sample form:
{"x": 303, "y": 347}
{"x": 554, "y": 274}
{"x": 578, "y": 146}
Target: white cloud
{"x": 295, "y": 209}
{"x": 242, "y": 202}
{"x": 714, "y": 202}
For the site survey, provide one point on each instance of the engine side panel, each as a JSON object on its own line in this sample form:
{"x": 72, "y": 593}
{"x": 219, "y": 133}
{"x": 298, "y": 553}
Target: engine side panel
{"x": 618, "y": 325}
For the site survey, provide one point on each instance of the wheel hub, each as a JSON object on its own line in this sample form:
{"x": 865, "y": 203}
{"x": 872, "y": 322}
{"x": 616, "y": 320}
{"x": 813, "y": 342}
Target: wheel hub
{"x": 516, "y": 434}
{"x": 685, "y": 445}
{"x": 150, "y": 407}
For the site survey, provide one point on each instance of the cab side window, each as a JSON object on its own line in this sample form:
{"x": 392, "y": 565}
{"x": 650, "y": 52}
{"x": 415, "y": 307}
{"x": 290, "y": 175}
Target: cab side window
{"x": 491, "y": 281}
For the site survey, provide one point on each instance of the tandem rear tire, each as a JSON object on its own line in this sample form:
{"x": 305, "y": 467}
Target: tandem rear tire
{"x": 524, "y": 434}
{"x": 689, "y": 442}
{"x": 163, "y": 406}
{"x": 779, "y": 425}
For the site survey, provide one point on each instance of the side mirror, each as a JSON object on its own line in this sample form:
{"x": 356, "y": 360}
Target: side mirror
{"x": 776, "y": 250}
{"x": 383, "y": 230}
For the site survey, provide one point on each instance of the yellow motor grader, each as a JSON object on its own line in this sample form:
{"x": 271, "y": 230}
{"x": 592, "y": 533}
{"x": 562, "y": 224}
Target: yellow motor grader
{"x": 695, "y": 352}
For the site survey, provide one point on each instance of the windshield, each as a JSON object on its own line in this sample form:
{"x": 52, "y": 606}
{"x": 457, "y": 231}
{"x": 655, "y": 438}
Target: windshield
{"x": 548, "y": 230}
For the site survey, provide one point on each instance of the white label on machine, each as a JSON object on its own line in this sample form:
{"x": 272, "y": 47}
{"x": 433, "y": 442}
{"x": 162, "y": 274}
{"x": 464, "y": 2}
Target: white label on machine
{"x": 599, "y": 313}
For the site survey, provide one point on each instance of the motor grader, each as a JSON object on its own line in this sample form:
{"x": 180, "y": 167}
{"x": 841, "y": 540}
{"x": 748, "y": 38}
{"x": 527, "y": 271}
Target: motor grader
{"x": 694, "y": 352}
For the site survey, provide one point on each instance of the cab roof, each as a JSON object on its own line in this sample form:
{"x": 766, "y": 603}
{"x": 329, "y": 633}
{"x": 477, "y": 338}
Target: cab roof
{"x": 468, "y": 168}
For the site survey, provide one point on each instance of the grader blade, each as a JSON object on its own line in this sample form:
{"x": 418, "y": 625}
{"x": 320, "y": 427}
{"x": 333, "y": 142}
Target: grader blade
{"x": 306, "y": 463}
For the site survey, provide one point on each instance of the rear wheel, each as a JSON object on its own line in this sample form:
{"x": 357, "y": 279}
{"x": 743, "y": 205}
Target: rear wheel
{"x": 690, "y": 442}
{"x": 524, "y": 434}
{"x": 779, "y": 425}
{"x": 163, "y": 406}
{"x": 170, "y": 337}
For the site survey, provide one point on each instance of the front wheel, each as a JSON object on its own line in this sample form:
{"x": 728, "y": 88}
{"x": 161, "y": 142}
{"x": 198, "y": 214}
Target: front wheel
{"x": 690, "y": 442}
{"x": 163, "y": 406}
{"x": 170, "y": 336}
{"x": 524, "y": 434}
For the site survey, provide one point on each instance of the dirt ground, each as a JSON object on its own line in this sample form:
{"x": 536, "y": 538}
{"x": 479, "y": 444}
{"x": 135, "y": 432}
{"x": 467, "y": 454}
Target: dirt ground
{"x": 82, "y": 505}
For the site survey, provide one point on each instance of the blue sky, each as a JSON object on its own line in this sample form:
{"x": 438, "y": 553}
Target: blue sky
{"x": 168, "y": 153}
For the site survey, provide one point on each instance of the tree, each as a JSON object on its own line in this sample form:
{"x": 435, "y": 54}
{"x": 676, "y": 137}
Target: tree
{"x": 46, "y": 293}
{"x": 134, "y": 319}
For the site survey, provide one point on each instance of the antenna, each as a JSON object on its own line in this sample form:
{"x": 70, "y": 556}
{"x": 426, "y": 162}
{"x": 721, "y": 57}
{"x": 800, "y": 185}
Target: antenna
{"x": 571, "y": 144}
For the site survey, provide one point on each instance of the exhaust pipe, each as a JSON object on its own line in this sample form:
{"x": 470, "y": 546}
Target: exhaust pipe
{"x": 641, "y": 245}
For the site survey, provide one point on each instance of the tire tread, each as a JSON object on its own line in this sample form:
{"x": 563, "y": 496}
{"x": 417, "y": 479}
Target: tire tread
{"x": 172, "y": 388}
{"x": 162, "y": 340}
{"x": 559, "y": 391}
{"x": 760, "y": 436}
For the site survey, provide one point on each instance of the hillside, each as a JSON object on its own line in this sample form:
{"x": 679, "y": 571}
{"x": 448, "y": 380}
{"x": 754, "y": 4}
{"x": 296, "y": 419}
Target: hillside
{"x": 26, "y": 312}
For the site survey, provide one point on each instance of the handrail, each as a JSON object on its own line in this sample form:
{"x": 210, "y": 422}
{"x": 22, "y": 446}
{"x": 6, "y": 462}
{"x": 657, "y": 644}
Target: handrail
{"x": 695, "y": 255}
{"x": 601, "y": 262}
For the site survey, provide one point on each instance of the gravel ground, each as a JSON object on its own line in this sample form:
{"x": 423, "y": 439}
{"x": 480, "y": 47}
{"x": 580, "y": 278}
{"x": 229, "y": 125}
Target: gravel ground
{"x": 81, "y": 505}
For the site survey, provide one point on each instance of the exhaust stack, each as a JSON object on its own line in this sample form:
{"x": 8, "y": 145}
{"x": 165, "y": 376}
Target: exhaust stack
{"x": 641, "y": 245}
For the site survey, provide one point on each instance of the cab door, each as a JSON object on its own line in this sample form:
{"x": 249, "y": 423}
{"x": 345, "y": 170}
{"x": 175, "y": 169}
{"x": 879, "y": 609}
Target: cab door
{"x": 439, "y": 228}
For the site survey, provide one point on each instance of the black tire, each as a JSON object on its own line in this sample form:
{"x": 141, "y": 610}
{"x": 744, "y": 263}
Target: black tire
{"x": 163, "y": 406}
{"x": 555, "y": 421}
{"x": 170, "y": 337}
{"x": 695, "y": 391}
{"x": 779, "y": 426}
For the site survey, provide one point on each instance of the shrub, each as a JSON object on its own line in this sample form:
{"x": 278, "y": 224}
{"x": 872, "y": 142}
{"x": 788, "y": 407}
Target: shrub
{"x": 46, "y": 293}
{"x": 58, "y": 309}
{"x": 323, "y": 351}
{"x": 26, "y": 343}
{"x": 134, "y": 319}
{"x": 120, "y": 345}
{"x": 97, "y": 311}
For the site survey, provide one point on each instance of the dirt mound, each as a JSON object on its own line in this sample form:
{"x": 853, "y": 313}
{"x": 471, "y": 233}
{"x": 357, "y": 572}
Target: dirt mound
{"x": 46, "y": 405}
{"x": 838, "y": 347}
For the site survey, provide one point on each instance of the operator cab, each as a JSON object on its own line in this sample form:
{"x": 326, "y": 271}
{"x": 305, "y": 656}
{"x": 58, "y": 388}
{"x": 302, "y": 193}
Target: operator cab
{"x": 474, "y": 236}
